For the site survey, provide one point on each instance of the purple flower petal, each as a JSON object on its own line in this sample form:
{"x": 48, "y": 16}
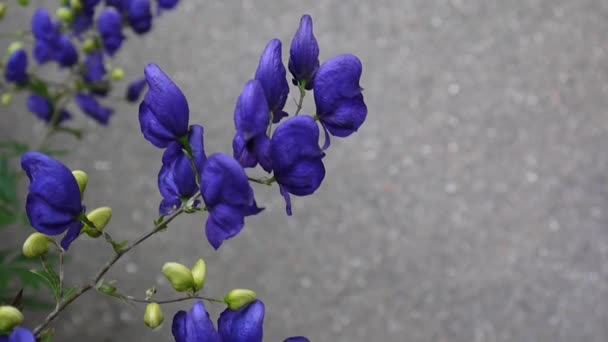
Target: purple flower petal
{"x": 109, "y": 25}
{"x": 243, "y": 325}
{"x": 272, "y": 76}
{"x": 90, "y": 106}
{"x": 194, "y": 325}
{"x": 304, "y": 54}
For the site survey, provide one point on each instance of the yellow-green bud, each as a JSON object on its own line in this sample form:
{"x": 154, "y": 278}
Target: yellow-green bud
{"x": 238, "y": 298}
{"x": 65, "y": 14}
{"x": 179, "y": 276}
{"x": 199, "y": 272}
{"x": 100, "y": 217}
{"x": 76, "y": 5}
{"x": 89, "y": 45}
{"x": 23, "y": 2}
{"x": 118, "y": 74}
{"x": 13, "y": 47}
{"x": 10, "y": 317}
{"x": 153, "y": 316}
{"x": 3, "y": 9}
{"x": 82, "y": 179}
{"x": 6, "y": 99}
{"x": 36, "y": 245}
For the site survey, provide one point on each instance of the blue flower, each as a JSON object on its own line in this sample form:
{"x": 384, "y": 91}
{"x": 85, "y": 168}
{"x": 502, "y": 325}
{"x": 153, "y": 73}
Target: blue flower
{"x": 135, "y": 89}
{"x": 95, "y": 72}
{"x": 194, "y": 325}
{"x": 109, "y": 25}
{"x": 54, "y": 202}
{"x": 296, "y": 158}
{"x": 19, "y": 335}
{"x": 228, "y": 198}
{"x": 304, "y": 54}
{"x": 44, "y": 109}
{"x": 164, "y": 112}
{"x": 167, "y": 4}
{"x": 50, "y": 43}
{"x": 43, "y": 26}
{"x": 139, "y": 15}
{"x": 176, "y": 179}
{"x": 16, "y": 68}
{"x": 251, "y": 118}
{"x": 89, "y": 105}
{"x": 271, "y": 74}
{"x": 338, "y": 98}
{"x": 119, "y": 4}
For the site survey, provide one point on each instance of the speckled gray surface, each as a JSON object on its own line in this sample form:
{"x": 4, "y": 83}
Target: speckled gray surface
{"x": 471, "y": 206}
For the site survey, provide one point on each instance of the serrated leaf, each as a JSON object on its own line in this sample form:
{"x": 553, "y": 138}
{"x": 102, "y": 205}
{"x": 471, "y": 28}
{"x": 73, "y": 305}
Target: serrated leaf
{"x": 51, "y": 279}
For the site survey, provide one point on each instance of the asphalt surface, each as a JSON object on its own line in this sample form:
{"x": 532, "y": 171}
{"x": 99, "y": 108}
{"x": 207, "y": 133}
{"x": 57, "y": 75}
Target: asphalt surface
{"x": 470, "y": 207}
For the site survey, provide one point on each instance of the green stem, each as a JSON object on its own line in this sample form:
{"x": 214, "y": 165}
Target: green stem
{"x": 167, "y": 301}
{"x": 301, "y": 87}
{"x": 265, "y": 181}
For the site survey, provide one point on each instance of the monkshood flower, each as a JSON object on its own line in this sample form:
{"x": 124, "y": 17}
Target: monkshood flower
{"x": 19, "y": 335}
{"x": 304, "y": 54}
{"x": 89, "y": 105}
{"x": 119, "y": 4}
{"x": 16, "y": 68}
{"x": 194, "y": 325}
{"x": 176, "y": 179}
{"x": 84, "y": 14}
{"x": 50, "y": 43}
{"x": 251, "y": 118}
{"x": 94, "y": 73}
{"x": 228, "y": 198}
{"x": 44, "y": 109}
{"x": 43, "y": 26}
{"x": 139, "y": 15}
{"x": 53, "y": 203}
{"x": 340, "y": 106}
{"x": 109, "y": 25}
{"x": 296, "y": 158}
{"x": 271, "y": 74}
{"x": 167, "y": 4}
{"x": 135, "y": 89}
{"x": 164, "y": 112}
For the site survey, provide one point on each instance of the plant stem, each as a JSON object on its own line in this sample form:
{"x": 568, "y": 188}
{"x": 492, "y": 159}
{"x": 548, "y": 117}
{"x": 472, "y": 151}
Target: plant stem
{"x": 265, "y": 181}
{"x": 61, "y": 254}
{"x": 302, "y": 94}
{"x": 175, "y": 300}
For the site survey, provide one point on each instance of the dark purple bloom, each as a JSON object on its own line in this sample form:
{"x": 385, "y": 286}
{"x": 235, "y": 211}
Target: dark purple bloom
{"x": 164, "y": 112}
{"x": 228, "y": 197}
{"x": 340, "y": 105}
{"x": 197, "y": 147}
{"x": 135, "y": 89}
{"x": 119, "y": 4}
{"x": 176, "y": 179}
{"x": 43, "y": 51}
{"x": 83, "y": 20}
{"x": 243, "y": 325}
{"x": 65, "y": 52}
{"x": 89, "y": 105}
{"x": 50, "y": 43}
{"x": 16, "y": 67}
{"x": 296, "y": 158}
{"x": 43, "y": 26}
{"x": 194, "y": 325}
{"x": 94, "y": 67}
{"x": 272, "y": 76}
{"x": 53, "y": 203}
{"x": 167, "y": 4}
{"x": 139, "y": 15}
{"x": 44, "y": 109}
{"x": 19, "y": 335}
{"x": 109, "y": 25}
{"x": 251, "y": 118}
{"x": 304, "y": 54}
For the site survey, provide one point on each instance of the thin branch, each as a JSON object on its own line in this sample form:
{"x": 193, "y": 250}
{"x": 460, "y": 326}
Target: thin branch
{"x": 175, "y": 300}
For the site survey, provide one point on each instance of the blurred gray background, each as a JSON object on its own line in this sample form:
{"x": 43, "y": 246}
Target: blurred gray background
{"x": 470, "y": 206}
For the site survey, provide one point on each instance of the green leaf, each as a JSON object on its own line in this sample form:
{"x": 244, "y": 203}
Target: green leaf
{"x": 69, "y": 292}
{"x": 50, "y": 278}
{"x": 39, "y": 87}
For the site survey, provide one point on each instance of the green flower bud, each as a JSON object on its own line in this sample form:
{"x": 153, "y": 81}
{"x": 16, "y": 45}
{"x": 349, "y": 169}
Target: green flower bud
{"x": 199, "y": 272}
{"x": 13, "y": 47}
{"x": 238, "y": 298}
{"x": 82, "y": 179}
{"x": 118, "y": 74}
{"x": 3, "y": 9}
{"x": 89, "y": 45}
{"x": 23, "y": 2}
{"x": 153, "y": 316}
{"x": 10, "y": 317}
{"x": 100, "y": 217}
{"x": 107, "y": 288}
{"x": 36, "y": 245}
{"x": 179, "y": 275}
{"x": 65, "y": 14}
{"x": 76, "y": 5}
{"x": 6, "y": 99}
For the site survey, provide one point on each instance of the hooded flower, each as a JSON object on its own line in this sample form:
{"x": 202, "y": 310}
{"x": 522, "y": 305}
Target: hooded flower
{"x": 251, "y": 118}
{"x": 176, "y": 179}
{"x": 54, "y": 202}
{"x": 164, "y": 112}
{"x": 95, "y": 74}
{"x": 139, "y": 15}
{"x": 304, "y": 54}
{"x": 50, "y": 43}
{"x": 272, "y": 76}
{"x": 194, "y": 325}
{"x": 44, "y": 109}
{"x": 43, "y": 26}
{"x": 338, "y": 97}
{"x": 19, "y": 335}
{"x": 228, "y": 197}
{"x": 135, "y": 89}
{"x": 296, "y": 158}
{"x": 16, "y": 68}
{"x": 109, "y": 25}
{"x": 89, "y": 105}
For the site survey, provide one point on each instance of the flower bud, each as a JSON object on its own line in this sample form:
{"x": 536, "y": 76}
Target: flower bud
{"x": 179, "y": 275}
{"x": 65, "y": 14}
{"x": 82, "y": 179}
{"x": 36, "y": 245}
{"x": 153, "y": 316}
{"x": 6, "y": 99}
{"x": 238, "y": 298}
{"x": 13, "y": 47}
{"x": 3, "y": 9}
{"x": 23, "y": 2}
{"x": 199, "y": 272}
{"x": 100, "y": 217}
{"x": 76, "y": 5}
{"x": 89, "y": 45}
{"x": 10, "y": 317}
{"x": 117, "y": 74}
